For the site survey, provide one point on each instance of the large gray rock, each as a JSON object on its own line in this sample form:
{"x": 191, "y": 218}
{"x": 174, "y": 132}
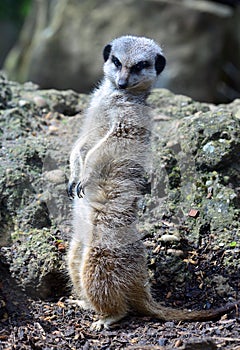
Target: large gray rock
{"x": 61, "y": 44}
{"x": 195, "y": 171}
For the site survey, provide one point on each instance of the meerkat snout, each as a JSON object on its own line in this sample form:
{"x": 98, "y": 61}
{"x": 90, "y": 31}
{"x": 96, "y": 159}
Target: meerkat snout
{"x": 122, "y": 79}
{"x": 122, "y": 83}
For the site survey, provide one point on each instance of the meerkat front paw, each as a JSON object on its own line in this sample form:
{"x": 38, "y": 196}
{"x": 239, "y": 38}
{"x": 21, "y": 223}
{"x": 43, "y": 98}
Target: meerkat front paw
{"x": 77, "y": 188}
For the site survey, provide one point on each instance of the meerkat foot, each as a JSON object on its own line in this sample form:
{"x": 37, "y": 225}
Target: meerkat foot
{"x": 105, "y": 322}
{"x": 81, "y": 303}
{"x": 98, "y": 325}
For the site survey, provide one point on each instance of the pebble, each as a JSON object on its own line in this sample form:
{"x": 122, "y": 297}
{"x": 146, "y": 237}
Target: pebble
{"x": 53, "y": 129}
{"x": 169, "y": 324}
{"x": 56, "y": 176}
{"x": 40, "y": 101}
{"x": 178, "y": 343}
{"x": 176, "y": 252}
{"x": 162, "y": 341}
{"x": 193, "y": 213}
{"x": 23, "y": 103}
{"x": 169, "y": 238}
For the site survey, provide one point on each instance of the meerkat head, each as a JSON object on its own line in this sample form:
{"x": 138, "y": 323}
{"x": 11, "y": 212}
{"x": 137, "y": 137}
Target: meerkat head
{"x": 133, "y": 63}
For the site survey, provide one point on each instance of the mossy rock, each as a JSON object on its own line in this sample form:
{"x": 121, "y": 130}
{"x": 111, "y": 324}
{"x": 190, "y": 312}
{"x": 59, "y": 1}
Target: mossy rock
{"x": 195, "y": 166}
{"x": 36, "y": 261}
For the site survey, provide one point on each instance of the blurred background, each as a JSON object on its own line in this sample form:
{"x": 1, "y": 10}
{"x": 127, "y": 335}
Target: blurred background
{"x": 58, "y": 43}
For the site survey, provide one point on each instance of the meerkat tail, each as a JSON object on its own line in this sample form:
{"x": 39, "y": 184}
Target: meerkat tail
{"x": 154, "y": 309}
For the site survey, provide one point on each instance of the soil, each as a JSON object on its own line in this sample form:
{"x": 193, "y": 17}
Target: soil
{"x": 183, "y": 274}
{"x": 36, "y": 324}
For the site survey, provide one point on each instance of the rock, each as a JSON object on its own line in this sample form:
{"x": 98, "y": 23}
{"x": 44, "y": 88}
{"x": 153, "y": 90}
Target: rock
{"x": 184, "y": 170}
{"x": 213, "y": 139}
{"x": 56, "y": 176}
{"x": 37, "y": 264}
{"x": 36, "y": 212}
{"x": 40, "y": 101}
{"x": 169, "y": 238}
{"x": 5, "y": 93}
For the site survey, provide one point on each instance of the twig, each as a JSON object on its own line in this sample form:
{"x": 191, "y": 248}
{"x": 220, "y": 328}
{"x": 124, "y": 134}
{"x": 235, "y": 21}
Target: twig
{"x": 226, "y": 339}
{"x": 220, "y": 10}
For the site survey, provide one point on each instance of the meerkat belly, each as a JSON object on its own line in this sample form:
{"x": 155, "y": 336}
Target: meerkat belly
{"x": 113, "y": 191}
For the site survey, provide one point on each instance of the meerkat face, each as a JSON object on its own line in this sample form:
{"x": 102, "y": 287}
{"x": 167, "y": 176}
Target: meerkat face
{"x": 133, "y": 63}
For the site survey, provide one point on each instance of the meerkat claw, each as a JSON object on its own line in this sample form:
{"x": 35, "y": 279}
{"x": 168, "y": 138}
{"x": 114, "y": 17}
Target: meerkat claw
{"x": 70, "y": 188}
{"x": 80, "y": 190}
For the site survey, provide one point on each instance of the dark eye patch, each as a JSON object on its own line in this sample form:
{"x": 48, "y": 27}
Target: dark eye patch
{"x": 116, "y": 62}
{"x": 140, "y": 66}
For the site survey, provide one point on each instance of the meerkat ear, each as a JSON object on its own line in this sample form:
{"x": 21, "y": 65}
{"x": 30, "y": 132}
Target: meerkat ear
{"x": 106, "y": 52}
{"x": 160, "y": 63}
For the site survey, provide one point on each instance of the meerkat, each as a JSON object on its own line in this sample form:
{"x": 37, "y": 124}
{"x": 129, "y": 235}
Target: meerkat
{"x": 107, "y": 259}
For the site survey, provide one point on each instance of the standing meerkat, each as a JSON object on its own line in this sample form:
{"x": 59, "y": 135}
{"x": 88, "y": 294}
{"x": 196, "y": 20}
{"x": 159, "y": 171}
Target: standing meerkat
{"x": 106, "y": 258}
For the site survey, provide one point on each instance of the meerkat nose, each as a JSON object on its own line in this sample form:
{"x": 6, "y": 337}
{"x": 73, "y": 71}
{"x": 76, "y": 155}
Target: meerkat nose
{"x": 122, "y": 83}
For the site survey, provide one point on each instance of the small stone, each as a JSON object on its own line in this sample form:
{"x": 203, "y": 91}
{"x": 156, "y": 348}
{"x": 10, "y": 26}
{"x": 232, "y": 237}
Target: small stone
{"x": 178, "y": 343}
{"x": 40, "y": 101}
{"x": 162, "y": 341}
{"x": 176, "y": 252}
{"x": 157, "y": 249}
{"x": 56, "y": 176}
{"x": 209, "y": 148}
{"x": 169, "y": 324}
{"x": 52, "y": 129}
{"x": 210, "y": 193}
{"x": 194, "y": 213}
{"x": 169, "y": 294}
{"x": 169, "y": 238}
{"x": 49, "y": 115}
{"x": 23, "y": 103}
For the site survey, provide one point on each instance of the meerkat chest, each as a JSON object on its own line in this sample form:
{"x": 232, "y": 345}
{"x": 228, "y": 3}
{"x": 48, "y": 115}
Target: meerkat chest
{"x": 128, "y": 120}
{"x": 126, "y": 130}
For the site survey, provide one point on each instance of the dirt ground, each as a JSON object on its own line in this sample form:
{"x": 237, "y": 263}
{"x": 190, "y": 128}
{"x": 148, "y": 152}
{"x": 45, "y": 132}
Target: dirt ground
{"x": 34, "y": 324}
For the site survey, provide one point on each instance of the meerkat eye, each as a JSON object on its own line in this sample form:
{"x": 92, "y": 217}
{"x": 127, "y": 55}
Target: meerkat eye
{"x": 116, "y": 61}
{"x": 140, "y": 66}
